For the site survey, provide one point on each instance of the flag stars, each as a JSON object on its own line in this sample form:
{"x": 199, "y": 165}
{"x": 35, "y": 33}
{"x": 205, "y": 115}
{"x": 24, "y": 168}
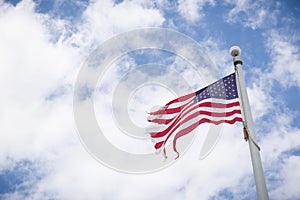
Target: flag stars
{"x": 222, "y": 89}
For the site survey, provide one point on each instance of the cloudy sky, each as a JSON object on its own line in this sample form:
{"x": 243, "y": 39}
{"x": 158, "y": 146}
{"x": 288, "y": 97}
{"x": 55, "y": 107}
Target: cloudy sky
{"x": 44, "y": 44}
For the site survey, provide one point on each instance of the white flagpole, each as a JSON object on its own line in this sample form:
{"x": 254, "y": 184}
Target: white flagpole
{"x": 261, "y": 187}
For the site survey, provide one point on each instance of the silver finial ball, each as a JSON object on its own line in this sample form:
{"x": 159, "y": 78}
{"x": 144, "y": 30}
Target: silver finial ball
{"x": 235, "y": 51}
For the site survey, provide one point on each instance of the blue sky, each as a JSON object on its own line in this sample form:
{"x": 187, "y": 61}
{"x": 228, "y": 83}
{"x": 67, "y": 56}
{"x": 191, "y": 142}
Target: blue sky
{"x": 43, "y": 45}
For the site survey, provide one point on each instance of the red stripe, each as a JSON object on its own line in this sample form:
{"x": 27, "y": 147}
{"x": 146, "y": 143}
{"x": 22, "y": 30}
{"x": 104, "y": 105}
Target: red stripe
{"x": 167, "y": 121}
{"x": 183, "y": 98}
{"x": 219, "y": 105}
{"x": 158, "y": 145}
{"x": 176, "y": 125}
{"x": 196, "y": 124}
{"x": 166, "y": 110}
{"x": 161, "y": 121}
{"x": 181, "y": 115}
{"x": 205, "y": 104}
{"x": 223, "y": 114}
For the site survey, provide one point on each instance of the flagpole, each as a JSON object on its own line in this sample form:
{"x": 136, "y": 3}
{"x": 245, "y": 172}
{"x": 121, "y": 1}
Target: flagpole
{"x": 261, "y": 187}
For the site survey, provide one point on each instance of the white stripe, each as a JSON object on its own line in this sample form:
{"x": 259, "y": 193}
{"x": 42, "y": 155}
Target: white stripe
{"x": 214, "y": 100}
{"x": 161, "y": 127}
{"x": 210, "y": 109}
{"x": 167, "y": 116}
{"x": 211, "y": 100}
{"x": 162, "y": 116}
{"x": 178, "y": 104}
{"x": 192, "y": 121}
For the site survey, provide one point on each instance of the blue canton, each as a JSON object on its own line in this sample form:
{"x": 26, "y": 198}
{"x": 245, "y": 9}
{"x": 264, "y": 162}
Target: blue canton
{"x": 222, "y": 89}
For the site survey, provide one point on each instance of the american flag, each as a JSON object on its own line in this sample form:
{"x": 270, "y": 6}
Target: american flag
{"x": 216, "y": 103}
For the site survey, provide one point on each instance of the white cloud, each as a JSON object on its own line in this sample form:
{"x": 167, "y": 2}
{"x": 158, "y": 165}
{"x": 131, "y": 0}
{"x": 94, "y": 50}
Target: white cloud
{"x": 73, "y": 174}
{"x": 290, "y": 175}
{"x": 260, "y": 101}
{"x": 219, "y": 55}
{"x": 104, "y": 19}
{"x": 31, "y": 69}
{"x": 281, "y": 138}
{"x": 191, "y": 10}
{"x": 285, "y": 58}
{"x": 252, "y": 14}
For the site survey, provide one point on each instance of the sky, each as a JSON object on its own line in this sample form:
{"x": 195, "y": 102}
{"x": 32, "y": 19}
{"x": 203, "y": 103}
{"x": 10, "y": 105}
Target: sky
{"x": 44, "y": 44}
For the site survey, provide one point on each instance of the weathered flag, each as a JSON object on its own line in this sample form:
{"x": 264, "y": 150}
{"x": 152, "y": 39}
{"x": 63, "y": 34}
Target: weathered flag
{"x": 216, "y": 103}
